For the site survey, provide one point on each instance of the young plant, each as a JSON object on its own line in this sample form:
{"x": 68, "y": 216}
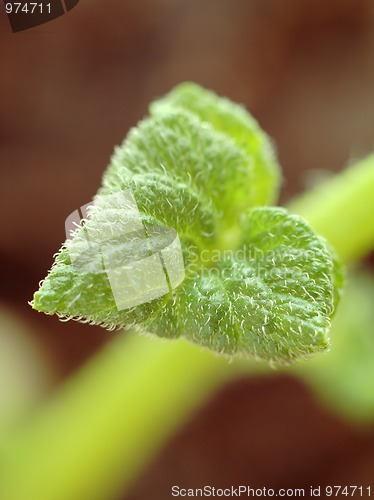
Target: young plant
{"x": 258, "y": 280}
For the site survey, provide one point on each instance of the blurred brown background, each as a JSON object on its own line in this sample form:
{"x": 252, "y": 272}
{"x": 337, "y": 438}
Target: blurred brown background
{"x": 70, "y": 90}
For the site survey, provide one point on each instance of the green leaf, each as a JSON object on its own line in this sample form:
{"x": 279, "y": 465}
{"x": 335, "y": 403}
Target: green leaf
{"x": 257, "y": 280}
{"x": 177, "y": 150}
{"x": 183, "y": 175}
{"x": 234, "y": 121}
{"x": 272, "y": 298}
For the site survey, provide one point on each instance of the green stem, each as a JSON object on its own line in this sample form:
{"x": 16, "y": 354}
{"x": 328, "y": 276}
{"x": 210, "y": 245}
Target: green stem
{"x": 342, "y": 210}
{"x": 106, "y": 423}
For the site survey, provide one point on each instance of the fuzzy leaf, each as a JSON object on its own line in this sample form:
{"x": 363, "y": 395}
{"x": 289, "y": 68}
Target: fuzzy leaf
{"x": 175, "y": 150}
{"x": 272, "y": 298}
{"x": 257, "y": 280}
{"x": 233, "y": 120}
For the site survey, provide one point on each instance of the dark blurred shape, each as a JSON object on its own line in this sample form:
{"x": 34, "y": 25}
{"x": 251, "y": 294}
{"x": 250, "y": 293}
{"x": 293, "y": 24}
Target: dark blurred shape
{"x": 23, "y": 16}
{"x": 69, "y": 4}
